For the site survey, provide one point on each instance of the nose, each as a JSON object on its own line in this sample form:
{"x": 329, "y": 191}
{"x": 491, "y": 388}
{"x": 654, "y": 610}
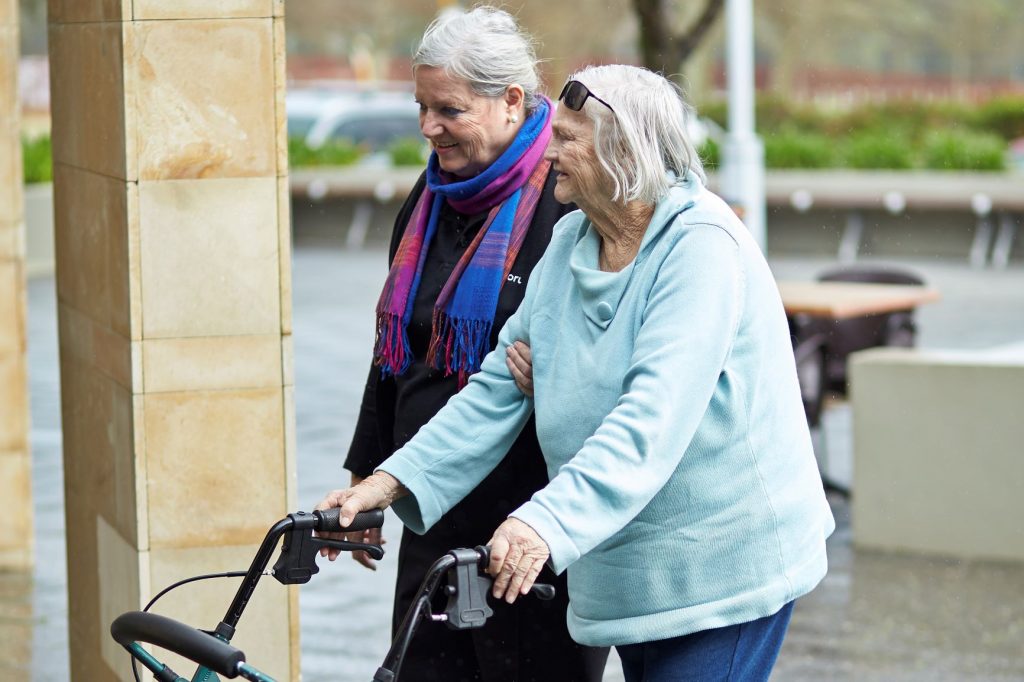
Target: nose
{"x": 429, "y": 126}
{"x": 550, "y": 153}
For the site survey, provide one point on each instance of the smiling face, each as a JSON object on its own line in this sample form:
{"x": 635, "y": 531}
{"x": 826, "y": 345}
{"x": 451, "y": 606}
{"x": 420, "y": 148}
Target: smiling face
{"x": 580, "y": 177}
{"x": 468, "y": 131}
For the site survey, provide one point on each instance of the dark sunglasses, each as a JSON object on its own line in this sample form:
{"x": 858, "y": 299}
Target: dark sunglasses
{"x": 575, "y": 95}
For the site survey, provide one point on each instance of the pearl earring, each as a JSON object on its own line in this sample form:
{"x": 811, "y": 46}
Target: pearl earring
{"x": 513, "y": 119}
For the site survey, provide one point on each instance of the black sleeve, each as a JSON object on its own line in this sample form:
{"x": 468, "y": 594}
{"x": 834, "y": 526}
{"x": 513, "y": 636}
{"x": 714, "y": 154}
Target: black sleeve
{"x": 366, "y": 451}
{"x": 371, "y": 442}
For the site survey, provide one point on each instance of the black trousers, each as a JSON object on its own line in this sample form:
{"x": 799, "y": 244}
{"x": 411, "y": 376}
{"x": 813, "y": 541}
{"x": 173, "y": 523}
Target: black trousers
{"x": 524, "y": 642}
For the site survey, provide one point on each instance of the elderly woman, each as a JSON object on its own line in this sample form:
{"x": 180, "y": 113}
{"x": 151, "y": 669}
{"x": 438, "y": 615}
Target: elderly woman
{"x": 683, "y": 499}
{"x": 463, "y": 247}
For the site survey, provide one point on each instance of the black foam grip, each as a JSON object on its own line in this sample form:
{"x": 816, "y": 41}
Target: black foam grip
{"x": 543, "y": 591}
{"x": 184, "y": 640}
{"x": 330, "y": 520}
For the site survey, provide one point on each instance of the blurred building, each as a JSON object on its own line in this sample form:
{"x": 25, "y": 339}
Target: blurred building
{"x": 809, "y": 49}
{"x": 812, "y": 50}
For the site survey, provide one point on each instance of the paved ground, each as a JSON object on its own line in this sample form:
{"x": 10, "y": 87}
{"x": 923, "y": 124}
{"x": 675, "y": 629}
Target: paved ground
{"x": 875, "y": 617}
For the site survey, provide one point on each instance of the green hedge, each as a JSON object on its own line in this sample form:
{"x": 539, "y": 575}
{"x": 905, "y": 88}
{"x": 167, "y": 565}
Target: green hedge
{"x": 794, "y": 149}
{"x": 409, "y": 152}
{"x": 710, "y": 154}
{"x": 964, "y": 150}
{"x": 893, "y": 135}
{"x": 404, "y": 152}
{"x": 1003, "y": 116}
{"x": 37, "y": 159}
{"x": 900, "y": 135}
{"x": 877, "y": 149}
{"x": 335, "y": 153}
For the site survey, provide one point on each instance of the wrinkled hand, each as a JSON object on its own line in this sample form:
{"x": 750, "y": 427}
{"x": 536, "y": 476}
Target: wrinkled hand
{"x": 375, "y": 492}
{"x": 370, "y": 536}
{"x": 519, "y": 360}
{"x": 517, "y": 557}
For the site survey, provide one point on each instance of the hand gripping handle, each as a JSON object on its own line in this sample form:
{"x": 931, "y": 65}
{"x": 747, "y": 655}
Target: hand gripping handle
{"x": 542, "y": 591}
{"x": 330, "y": 520}
{"x": 184, "y": 640}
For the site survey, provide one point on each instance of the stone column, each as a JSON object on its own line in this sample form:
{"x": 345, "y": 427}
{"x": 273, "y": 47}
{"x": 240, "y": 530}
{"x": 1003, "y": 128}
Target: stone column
{"x": 173, "y": 286}
{"x": 15, "y": 463}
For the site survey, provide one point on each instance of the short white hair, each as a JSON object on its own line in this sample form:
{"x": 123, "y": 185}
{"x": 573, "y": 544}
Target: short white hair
{"x": 646, "y": 135}
{"x": 486, "y": 48}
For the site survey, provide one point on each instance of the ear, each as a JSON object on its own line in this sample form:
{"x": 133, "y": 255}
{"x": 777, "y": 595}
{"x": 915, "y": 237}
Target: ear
{"x": 515, "y": 98}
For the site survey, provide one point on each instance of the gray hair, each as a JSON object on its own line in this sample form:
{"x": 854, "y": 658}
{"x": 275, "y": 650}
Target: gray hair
{"x": 646, "y": 135}
{"x": 486, "y": 48}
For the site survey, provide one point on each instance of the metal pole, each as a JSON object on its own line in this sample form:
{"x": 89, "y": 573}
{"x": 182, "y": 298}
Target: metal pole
{"x": 742, "y": 172}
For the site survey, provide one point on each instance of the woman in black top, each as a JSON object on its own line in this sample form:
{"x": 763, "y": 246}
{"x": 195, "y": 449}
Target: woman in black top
{"x": 481, "y": 215}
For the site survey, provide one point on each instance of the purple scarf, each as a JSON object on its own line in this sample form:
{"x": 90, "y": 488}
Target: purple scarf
{"x": 464, "y": 311}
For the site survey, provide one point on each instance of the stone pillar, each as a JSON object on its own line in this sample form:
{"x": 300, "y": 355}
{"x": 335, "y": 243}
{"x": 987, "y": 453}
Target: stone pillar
{"x": 173, "y": 286}
{"x": 15, "y": 463}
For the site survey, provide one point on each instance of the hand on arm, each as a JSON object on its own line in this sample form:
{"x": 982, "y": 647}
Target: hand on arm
{"x": 520, "y": 363}
{"x": 377, "y": 491}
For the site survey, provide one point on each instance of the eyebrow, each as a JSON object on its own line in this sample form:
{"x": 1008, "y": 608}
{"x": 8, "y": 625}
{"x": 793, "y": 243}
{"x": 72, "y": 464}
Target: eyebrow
{"x": 442, "y": 103}
{"x": 563, "y": 128}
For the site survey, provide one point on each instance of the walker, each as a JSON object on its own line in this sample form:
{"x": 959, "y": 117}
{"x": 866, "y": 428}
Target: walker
{"x": 467, "y": 588}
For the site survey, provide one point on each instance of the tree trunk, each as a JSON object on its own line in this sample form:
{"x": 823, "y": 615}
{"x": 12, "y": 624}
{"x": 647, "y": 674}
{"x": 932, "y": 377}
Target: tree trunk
{"x": 661, "y": 49}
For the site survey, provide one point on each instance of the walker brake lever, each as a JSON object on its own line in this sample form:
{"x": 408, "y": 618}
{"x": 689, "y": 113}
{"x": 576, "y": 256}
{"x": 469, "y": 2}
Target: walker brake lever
{"x": 297, "y": 563}
{"x": 468, "y": 590}
{"x": 375, "y": 551}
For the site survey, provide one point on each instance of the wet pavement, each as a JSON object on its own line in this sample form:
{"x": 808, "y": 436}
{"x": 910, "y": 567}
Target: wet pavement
{"x": 875, "y": 617}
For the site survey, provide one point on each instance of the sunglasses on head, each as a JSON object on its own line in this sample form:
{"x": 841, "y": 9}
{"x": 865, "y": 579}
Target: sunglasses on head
{"x": 575, "y": 95}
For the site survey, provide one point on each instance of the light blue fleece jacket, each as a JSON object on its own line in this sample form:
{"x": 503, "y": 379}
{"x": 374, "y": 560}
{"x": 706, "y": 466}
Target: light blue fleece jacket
{"x": 684, "y": 493}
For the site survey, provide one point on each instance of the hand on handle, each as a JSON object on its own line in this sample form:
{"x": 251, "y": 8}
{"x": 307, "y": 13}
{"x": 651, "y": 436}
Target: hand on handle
{"x": 330, "y": 520}
{"x": 518, "y": 554}
{"x": 375, "y": 492}
{"x": 370, "y": 536}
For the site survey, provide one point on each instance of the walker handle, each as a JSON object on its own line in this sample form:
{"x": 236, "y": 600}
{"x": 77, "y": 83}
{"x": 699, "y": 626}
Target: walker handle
{"x": 330, "y": 520}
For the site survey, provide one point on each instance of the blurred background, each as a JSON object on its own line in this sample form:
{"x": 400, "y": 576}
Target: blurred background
{"x": 928, "y": 86}
{"x": 893, "y": 135}
{"x": 867, "y": 84}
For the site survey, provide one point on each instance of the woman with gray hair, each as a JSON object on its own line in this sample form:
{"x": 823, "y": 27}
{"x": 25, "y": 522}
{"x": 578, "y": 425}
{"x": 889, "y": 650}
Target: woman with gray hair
{"x": 684, "y": 499}
{"x": 462, "y": 250}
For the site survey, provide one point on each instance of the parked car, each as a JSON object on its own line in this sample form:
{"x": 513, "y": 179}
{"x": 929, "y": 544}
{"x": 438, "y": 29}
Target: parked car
{"x": 373, "y": 120}
{"x": 376, "y": 119}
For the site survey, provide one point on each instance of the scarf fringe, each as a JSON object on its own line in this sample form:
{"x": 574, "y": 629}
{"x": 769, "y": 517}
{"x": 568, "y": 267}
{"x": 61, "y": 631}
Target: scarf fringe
{"x": 391, "y": 348}
{"x": 458, "y": 345}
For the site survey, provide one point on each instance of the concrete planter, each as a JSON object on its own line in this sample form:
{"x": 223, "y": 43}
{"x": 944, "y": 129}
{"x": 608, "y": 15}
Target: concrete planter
{"x": 39, "y": 229}
{"x": 822, "y": 213}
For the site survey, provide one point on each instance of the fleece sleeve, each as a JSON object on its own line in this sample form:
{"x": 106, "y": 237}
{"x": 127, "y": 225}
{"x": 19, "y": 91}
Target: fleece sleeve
{"x": 469, "y": 436}
{"x": 688, "y": 327}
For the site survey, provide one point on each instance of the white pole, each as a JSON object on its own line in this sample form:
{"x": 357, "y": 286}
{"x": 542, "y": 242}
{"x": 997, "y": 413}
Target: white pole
{"x": 742, "y": 171}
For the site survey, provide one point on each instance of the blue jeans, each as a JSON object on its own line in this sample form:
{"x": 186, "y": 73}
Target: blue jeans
{"x": 736, "y": 653}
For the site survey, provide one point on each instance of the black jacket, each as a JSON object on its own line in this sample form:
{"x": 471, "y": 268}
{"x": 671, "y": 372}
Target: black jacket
{"x": 381, "y": 429}
{"x": 525, "y": 642}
